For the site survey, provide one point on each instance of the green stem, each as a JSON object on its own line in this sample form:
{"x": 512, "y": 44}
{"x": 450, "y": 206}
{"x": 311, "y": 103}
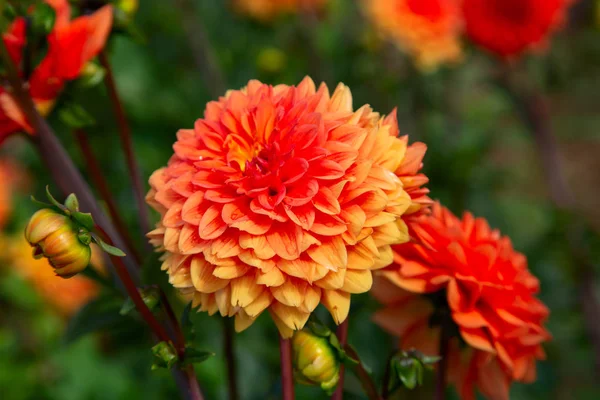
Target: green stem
{"x": 342, "y": 335}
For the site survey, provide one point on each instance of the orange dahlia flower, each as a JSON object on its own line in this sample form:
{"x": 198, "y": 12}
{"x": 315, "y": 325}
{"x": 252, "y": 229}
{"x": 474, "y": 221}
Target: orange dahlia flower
{"x": 266, "y": 10}
{"x": 65, "y": 296}
{"x": 510, "y": 27}
{"x": 71, "y": 44}
{"x": 281, "y": 198}
{"x": 473, "y": 272}
{"x": 428, "y": 30}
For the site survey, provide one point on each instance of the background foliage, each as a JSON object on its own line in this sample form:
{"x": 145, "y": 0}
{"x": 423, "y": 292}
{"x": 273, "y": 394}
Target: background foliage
{"x": 480, "y": 157}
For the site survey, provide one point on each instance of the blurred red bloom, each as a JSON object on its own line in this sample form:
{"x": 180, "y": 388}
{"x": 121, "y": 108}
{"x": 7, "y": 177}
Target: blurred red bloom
{"x": 71, "y": 44}
{"x": 510, "y": 27}
{"x": 490, "y": 295}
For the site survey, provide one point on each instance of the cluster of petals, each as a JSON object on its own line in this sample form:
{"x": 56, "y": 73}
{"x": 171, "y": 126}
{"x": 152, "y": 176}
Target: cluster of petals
{"x": 507, "y": 28}
{"x": 428, "y": 30}
{"x": 488, "y": 290}
{"x": 282, "y": 198}
{"x": 266, "y": 10}
{"x": 63, "y": 296}
{"x": 71, "y": 44}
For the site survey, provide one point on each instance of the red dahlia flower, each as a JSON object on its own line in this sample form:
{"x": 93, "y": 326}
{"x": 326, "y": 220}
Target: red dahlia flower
{"x": 71, "y": 44}
{"x": 510, "y": 27}
{"x": 488, "y": 290}
{"x": 281, "y": 198}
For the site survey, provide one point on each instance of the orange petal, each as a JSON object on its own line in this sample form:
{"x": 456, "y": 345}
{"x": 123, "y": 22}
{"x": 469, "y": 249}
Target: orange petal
{"x": 331, "y": 254}
{"x": 285, "y": 241}
{"x": 202, "y": 276}
{"x": 357, "y": 281}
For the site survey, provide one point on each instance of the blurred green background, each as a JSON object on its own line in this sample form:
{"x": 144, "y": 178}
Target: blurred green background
{"x": 481, "y": 157}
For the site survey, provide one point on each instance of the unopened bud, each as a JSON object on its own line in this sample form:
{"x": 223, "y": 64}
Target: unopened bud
{"x": 129, "y": 7}
{"x": 55, "y": 237}
{"x": 315, "y": 360}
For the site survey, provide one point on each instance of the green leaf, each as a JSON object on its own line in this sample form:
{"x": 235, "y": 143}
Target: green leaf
{"x": 75, "y": 116}
{"x": 407, "y": 372}
{"x": 101, "y": 313}
{"x": 42, "y": 19}
{"x": 40, "y": 203}
{"x": 72, "y": 203}
{"x": 84, "y": 219}
{"x": 318, "y": 328}
{"x": 92, "y": 75}
{"x": 84, "y": 237}
{"x": 151, "y": 297}
{"x": 54, "y": 202}
{"x": 195, "y": 356}
{"x": 186, "y": 323}
{"x": 112, "y": 250}
{"x": 165, "y": 355}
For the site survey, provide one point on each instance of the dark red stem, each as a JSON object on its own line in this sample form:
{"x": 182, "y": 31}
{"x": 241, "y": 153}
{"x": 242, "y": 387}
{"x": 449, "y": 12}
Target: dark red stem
{"x": 441, "y": 373}
{"x": 287, "y": 376}
{"x": 126, "y": 142}
{"x": 342, "y": 335}
{"x": 228, "y": 347}
{"x": 363, "y": 376}
{"x": 99, "y": 181}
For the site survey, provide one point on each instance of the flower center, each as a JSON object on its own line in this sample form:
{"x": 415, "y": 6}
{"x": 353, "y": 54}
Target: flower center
{"x": 427, "y": 8}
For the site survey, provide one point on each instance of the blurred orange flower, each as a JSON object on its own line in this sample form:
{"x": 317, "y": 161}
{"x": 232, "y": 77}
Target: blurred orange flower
{"x": 472, "y": 271}
{"x": 65, "y": 296}
{"x": 266, "y": 10}
{"x": 510, "y": 27}
{"x": 281, "y": 198}
{"x": 428, "y": 30}
{"x": 71, "y": 44}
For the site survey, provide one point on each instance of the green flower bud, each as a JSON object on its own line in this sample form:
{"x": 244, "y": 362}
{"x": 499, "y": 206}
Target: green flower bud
{"x": 315, "y": 360}
{"x": 54, "y": 236}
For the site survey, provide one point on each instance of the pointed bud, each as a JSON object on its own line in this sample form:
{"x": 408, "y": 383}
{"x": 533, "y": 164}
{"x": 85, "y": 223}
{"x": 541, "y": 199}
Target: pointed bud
{"x": 54, "y": 236}
{"x": 315, "y": 360}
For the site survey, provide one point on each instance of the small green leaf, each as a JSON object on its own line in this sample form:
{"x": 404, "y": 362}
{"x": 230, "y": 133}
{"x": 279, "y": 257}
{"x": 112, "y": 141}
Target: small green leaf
{"x": 186, "y": 323}
{"x": 54, "y": 202}
{"x": 40, "y": 203}
{"x": 151, "y": 297}
{"x": 84, "y": 219}
{"x": 319, "y": 328}
{"x": 42, "y": 19}
{"x": 407, "y": 372}
{"x": 165, "y": 355}
{"x": 72, "y": 203}
{"x": 195, "y": 356}
{"x": 112, "y": 250}
{"x": 84, "y": 237}
{"x": 429, "y": 360}
{"x": 75, "y": 116}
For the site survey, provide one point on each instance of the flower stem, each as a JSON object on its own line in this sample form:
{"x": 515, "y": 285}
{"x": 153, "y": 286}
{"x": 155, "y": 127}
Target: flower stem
{"x": 440, "y": 387}
{"x": 100, "y": 182}
{"x": 202, "y": 50}
{"x": 228, "y": 344}
{"x": 126, "y": 142}
{"x": 287, "y": 377}
{"x": 365, "y": 378}
{"x": 342, "y": 335}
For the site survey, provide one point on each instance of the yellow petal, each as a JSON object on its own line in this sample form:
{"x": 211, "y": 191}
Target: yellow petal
{"x": 284, "y": 330}
{"x": 260, "y": 304}
{"x": 338, "y": 304}
{"x": 242, "y": 321}
{"x": 259, "y": 244}
{"x": 312, "y": 298}
{"x": 272, "y": 278}
{"x": 230, "y": 271}
{"x": 292, "y": 317}
{"x": 202, "y": 276}
{"x": 386, "y": 257}
{"x": 290, "y": 293}
{"x": 223, "y": 300}
{"x": 333, "y": 280}
{"x": 244, "y": 291}
{"x": 357, "y": 281}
